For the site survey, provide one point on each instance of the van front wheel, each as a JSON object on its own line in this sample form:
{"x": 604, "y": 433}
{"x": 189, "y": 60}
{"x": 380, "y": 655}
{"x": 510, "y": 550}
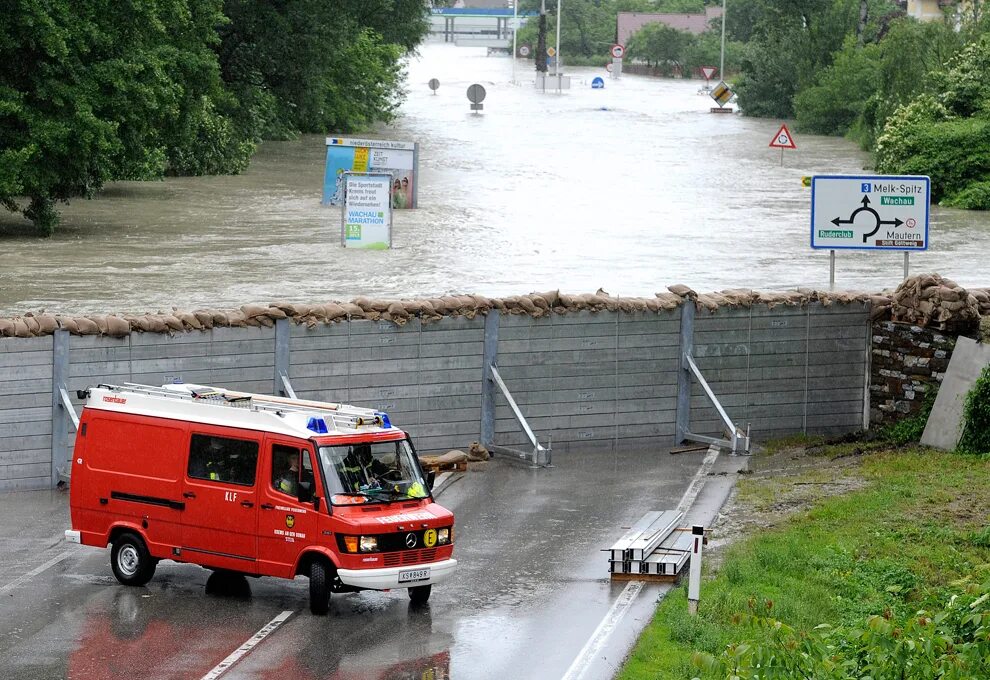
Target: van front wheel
{"x": 130, "y": 560}
{"x": 319, "y": 587}
{"x": 420, "y": 594}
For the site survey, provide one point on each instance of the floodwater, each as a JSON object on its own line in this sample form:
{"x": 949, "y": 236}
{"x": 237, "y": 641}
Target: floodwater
{"x": 630, "y": 188}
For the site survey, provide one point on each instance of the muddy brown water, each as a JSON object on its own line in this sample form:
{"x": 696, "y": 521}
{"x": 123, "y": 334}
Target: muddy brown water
{"x": 630, "y": 188}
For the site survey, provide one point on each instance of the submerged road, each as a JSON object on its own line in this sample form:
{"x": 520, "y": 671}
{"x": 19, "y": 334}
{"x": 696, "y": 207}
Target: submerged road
{"x": 531, "y": 598}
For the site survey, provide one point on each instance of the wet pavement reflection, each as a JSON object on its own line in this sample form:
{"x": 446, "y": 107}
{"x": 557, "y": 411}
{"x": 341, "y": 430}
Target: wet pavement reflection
{"x": 530, "y": 590}
{"x": 632, "y": 187}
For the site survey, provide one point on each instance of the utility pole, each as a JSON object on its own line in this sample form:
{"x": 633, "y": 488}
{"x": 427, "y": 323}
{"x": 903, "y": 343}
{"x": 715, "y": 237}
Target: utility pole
{"x": 541, "y": 39}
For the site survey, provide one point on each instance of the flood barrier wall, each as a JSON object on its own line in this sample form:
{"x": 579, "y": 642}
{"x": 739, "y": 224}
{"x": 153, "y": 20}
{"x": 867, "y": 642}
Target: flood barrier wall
{"x": 585, "y": 380}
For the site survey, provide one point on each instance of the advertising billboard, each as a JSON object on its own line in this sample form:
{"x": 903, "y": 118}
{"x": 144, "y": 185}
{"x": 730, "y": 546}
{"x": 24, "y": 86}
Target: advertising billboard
{"x": 347, "y": 154}
{"x": 366, "y": 220}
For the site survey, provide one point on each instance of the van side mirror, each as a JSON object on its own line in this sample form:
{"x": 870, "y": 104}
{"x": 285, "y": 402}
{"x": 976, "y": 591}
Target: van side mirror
{"x": 431, "y": 477}
{"x": 305, "y": 493}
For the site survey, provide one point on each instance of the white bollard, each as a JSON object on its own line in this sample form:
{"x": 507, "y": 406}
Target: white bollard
{"x": 694, "y": 575}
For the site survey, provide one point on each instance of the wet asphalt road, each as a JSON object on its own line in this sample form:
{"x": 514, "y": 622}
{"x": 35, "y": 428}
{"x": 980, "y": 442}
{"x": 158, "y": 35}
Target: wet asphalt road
{"x": 530, "y": 598}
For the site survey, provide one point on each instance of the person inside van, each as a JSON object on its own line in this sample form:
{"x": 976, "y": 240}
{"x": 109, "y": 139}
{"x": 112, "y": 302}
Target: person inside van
{"x": 289, "y": 481}
{"x": 363, "y": 471}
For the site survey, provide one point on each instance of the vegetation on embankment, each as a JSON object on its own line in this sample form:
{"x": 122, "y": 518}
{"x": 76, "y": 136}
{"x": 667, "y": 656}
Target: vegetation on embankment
{"x": 889, "y": 576}
{"x": 93, "y": 91}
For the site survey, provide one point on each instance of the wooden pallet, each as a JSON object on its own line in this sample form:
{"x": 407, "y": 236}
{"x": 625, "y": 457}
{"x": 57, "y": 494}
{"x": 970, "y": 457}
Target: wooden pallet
{"x": 653, "y": 578}
{"x": 439, "y": 467}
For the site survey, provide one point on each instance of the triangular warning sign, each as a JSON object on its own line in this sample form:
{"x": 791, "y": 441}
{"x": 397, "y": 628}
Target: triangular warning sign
{"x": 708, "y": 72}
{"x": 783, "y": 139}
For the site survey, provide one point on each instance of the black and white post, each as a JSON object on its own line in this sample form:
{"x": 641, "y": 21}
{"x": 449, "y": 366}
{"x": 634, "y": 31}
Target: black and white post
{"x": 694, "y": 574}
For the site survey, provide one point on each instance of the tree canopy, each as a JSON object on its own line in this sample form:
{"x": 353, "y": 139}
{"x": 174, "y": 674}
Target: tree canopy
{"x": 97, "y": 90}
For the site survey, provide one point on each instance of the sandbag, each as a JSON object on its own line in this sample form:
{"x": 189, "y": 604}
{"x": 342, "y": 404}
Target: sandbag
{"x": 683, "y": 291}
{"x": 204, "y": 318}
{"x": 6, "y": 328}
{"x": 86, "y": 326}
{"x": 47, "y": 324}
{"x": 117, "y": 327}
{"x": 32, "y": 324}
{"x": 251, "y": 311}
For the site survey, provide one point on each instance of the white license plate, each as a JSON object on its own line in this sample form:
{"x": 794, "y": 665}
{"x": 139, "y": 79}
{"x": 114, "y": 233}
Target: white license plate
{"x": 414, "y": 575}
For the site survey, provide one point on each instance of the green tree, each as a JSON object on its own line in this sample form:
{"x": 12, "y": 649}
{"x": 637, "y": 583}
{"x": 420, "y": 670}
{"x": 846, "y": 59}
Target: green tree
{"x": 837, "y": 101}
{"x": 94, "y": 90}
{"x": 306, "y": 65}
{"x": 661, "y": 45}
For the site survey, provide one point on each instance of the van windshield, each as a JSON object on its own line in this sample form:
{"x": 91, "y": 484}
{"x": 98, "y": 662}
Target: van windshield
{"x": 372, "y": 472}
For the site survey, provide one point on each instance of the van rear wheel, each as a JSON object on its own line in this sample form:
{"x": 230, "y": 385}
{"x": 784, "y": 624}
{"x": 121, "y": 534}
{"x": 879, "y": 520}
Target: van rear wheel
{"x": 319, "y": 587}
{"x": 130, "y": 560}
{"x": 420, "y": 594}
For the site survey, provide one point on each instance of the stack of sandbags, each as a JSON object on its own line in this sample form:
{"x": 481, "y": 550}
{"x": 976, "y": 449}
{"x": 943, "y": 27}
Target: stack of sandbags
{"x": 982, "y": 296}
{"x": 933, "y": 301}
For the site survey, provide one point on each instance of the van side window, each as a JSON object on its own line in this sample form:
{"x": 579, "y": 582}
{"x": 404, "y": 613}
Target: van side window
{"x": 290, "y": 467}
{"x": 285, "y": 469}
{"x": 220, "y": 459}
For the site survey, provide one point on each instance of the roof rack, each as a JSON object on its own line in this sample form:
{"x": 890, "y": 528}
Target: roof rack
{"x": 340, "y": 416}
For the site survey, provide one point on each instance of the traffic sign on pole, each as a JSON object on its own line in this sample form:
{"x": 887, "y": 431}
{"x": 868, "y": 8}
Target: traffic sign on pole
{"x": 434, "y": 84}
{"x": 618, "y": 51}
{"x": 708, "y": 72}
{"x": 722, "y": 94}
{"x": 882, "y": 212}
{"x": 783, "y": 139}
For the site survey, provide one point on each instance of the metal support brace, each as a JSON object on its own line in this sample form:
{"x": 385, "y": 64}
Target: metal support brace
{"x": 491, "y": 383}
{"x": 283, "y": 333}
{"x": 541, "y": 456}
{"x": 736, "y": 439}
{"x": 62, "y": 410}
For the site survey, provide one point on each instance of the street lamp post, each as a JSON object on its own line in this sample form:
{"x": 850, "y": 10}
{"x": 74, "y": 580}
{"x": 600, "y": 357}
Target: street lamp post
{"x": 721, "y": 63}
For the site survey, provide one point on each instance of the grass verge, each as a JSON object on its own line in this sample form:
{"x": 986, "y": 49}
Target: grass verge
{"x": 915, "y": 523}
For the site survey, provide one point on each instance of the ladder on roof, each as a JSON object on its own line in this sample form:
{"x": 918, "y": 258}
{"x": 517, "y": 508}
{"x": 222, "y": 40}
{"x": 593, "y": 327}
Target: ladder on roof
{"x": 343, "y": 416}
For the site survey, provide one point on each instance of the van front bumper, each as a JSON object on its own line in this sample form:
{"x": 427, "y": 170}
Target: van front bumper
{"x": 388, "y": 578}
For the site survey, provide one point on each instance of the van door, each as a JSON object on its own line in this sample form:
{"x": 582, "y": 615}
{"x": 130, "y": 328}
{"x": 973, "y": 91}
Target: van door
{"x": 220, "y": 521}
{"x": 286, "y": 525}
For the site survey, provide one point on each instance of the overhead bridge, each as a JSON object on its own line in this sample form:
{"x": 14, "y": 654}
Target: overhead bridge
{"x": 490, "y": 28}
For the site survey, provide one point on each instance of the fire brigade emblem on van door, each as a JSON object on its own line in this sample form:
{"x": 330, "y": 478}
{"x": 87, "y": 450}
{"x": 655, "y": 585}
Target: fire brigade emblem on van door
{"x": 290, "y": 521}
{"x": 410, "y": 540}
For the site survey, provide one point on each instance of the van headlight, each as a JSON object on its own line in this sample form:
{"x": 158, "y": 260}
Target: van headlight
{"x": 368, "y": 544}
{"x": 444, "y": 536}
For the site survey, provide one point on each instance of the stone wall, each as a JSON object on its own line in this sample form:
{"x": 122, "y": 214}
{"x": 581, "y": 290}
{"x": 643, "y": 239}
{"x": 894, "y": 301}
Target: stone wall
{"x": 908, "y": 363}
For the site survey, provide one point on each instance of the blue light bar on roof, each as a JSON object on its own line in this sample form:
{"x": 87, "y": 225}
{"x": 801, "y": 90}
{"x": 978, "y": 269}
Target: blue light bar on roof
{"x": 386, "y": 423}
{"x": 317, "y": 425}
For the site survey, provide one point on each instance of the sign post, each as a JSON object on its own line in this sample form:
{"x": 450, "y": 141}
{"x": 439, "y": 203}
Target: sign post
{"x": 366, "y": 220}
{"x": 434, "y": 84}
{"x": 882, "y": 212}
{"x": 721, "y": 94}
{"x": 476, "y": 94}
{"x": 618, "y": 52}
{"x": 782, "y": 140}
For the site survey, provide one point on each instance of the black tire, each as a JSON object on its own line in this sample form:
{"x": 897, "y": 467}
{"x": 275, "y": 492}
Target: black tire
{"x": 319, "y": 588}
{"x": 130, "y": 560}
{"x": 420, "y": 594}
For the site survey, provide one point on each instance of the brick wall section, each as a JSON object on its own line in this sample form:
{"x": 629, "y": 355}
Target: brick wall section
{"x": 908, "y": 362}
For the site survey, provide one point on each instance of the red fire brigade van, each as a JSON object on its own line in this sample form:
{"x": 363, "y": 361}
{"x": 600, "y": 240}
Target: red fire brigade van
{"x": 259, "y": 485}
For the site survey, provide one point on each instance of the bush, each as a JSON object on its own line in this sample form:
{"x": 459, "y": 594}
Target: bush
{"x": 841, "y": 93}
{"x": 975, "y": 196}
{"x": 976, "y": 417}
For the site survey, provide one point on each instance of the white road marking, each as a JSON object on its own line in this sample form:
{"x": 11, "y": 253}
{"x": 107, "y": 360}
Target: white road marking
{"x": 628, "y": 595}
{"x": 598, "y": 639}
{"x": 687, "y": 500}
{"x": 252, "y": 642}
{"x": 37, "y": 570}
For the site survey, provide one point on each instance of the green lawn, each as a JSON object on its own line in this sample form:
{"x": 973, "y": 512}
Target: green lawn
{"x": 893, "y": 546}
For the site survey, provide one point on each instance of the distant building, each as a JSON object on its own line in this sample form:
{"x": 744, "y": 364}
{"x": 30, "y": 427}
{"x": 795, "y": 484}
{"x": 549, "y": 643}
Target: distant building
{"x": 628, "y": 23}
{"x": 925, "y": 10}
